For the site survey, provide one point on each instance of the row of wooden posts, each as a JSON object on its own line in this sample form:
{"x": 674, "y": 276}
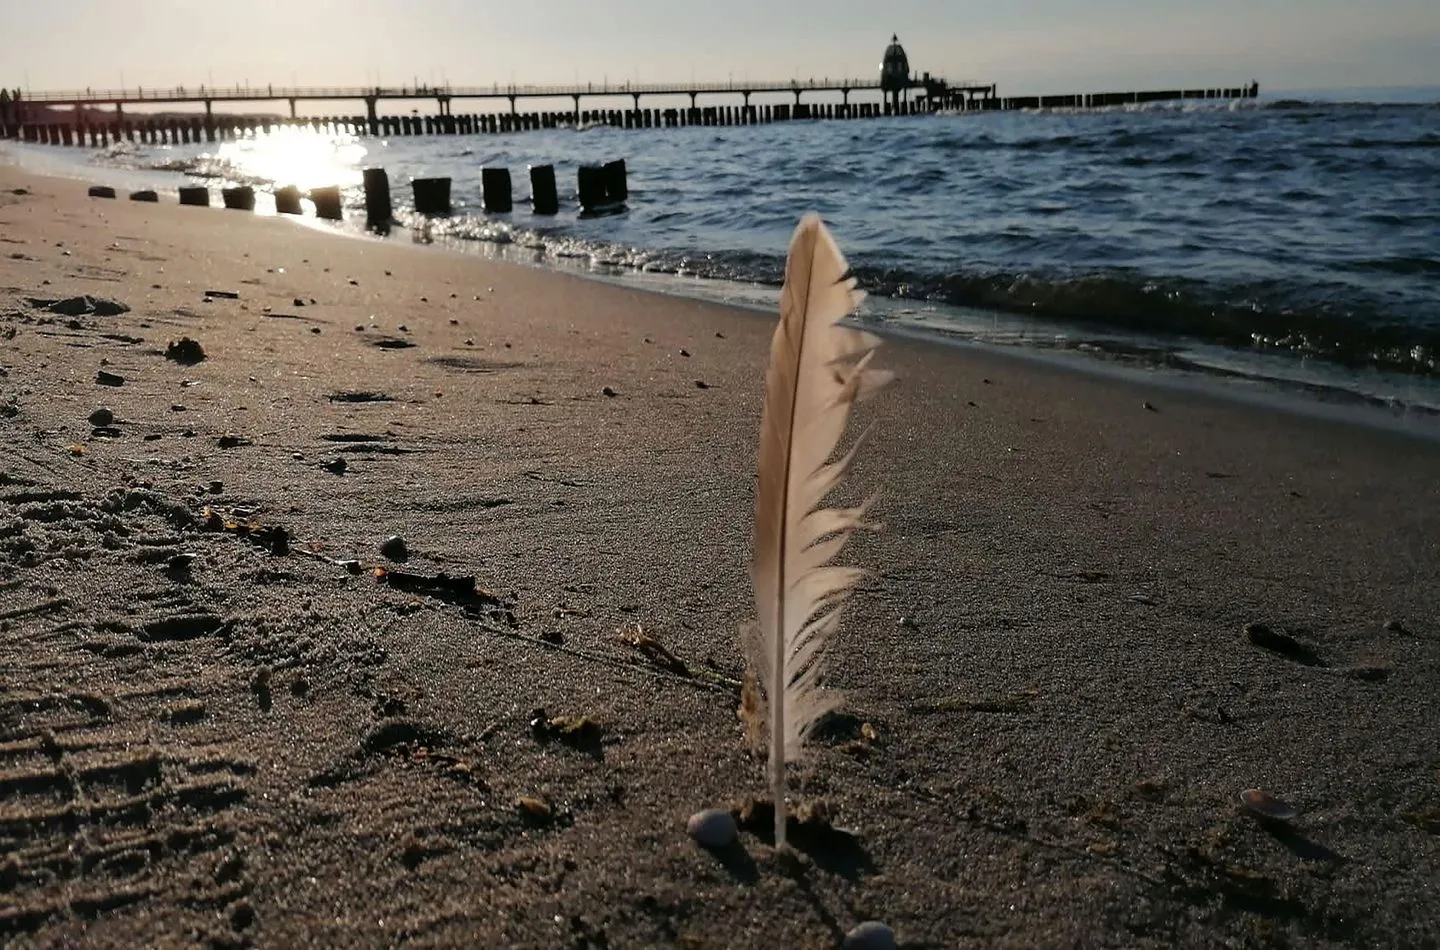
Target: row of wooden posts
{"x": 182, "y": 130}
{"x": 600, "y": 189}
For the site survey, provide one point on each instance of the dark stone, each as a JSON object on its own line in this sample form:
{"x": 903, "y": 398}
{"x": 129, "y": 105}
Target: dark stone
{"x": 395, "y": 548}
{"x": 102, "y": 417}
{"x": 102, "y": 191}
{"x": 185, "y": 351}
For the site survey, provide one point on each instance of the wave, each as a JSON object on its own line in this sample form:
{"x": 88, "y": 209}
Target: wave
{"x": 1272, "y": 316}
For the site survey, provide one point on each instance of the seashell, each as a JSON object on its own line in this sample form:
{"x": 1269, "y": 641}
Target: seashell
{"x": 1265, "y": 806}
{"x": 712, "y": 828}
{"x": 871, "y": 935}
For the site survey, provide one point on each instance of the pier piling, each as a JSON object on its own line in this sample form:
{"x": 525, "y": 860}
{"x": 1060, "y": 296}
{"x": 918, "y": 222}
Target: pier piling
{"x": 378, "y": 213}
{"x": 241, "y": 198}
{"x": 544, "y": 198}
{"x": 327, "y": 203}
{"x": 432, "y": 195}
{"x": 287, "y": 200}
{"x": 495, "y": 190}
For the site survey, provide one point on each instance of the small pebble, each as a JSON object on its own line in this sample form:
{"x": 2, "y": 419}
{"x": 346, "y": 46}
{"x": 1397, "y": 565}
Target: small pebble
{"x": 352, "y": 566}
{"x": 1266, "y": 806}
{"x": 701, "y": 384}
{"x": 454, "y": 323}
{"x": 608, "y": 392}
{"x": 182, "y": 562}
{"x": 424, "y": 299}
{"x": 871, "y": 935}
{"x": 299, "y": 302}
{"x": 336, "y": 466}
{"x": 109, "y": 379}
{"x": 395, "y": 548}
{"x": 314, "y": 329}
{"x": 1391, "y": 626}
{"x": 684, "y": 352}
{"x": 1148, "y": 408}
{"x": 712, "y": 828}
{"x": 102, "y": 417}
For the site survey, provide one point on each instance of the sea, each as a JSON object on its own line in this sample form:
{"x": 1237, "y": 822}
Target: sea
{"x": 1281, "y": 248}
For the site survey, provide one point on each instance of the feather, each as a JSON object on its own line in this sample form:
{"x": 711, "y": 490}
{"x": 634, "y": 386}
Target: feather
{"x": 818, "y": 370}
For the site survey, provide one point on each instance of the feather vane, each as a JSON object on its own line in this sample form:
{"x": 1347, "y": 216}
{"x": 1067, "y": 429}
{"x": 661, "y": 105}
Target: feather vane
{"x": 818, "y": 371}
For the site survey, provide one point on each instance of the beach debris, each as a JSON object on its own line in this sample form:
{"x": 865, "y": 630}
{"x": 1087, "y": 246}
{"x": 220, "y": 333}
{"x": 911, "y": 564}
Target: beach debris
{"x": 454, "y": 589}
{"x": 229, "y": 441}
{"x": 871, "y": 935}
{"x": 534, "y": 810}
{"x": 701, "y": 384}
{"x": 395, "y": 548}
{"x": 335, "y": 466}
{"x": 719, "y": 336}
{"x": 181, "y": 562}
{"x": 223, "y": 294}
{"x": 83, "y": 306}
{"x": 581, "y": 732}
{"x": 362, "y": 396}
{"x": 101, "y": 417}
{"x": 109, "y": 379}
{"x": 1266, "y": 807}
{"x": 607, "y": 391}
{"x": 1282, "y": 643}
{"x": 636, "y": 636}
{"x": 185, "y": 351}
{"x": 351, "y": 565}
{"x": 1148, "y": 407}
{"x": 685, "y": 353}
{"x": 712, "y": 828}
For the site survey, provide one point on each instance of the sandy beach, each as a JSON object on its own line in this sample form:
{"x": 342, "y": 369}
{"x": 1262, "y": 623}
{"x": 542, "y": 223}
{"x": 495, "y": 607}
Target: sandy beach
{"x": 1098, "y": 612}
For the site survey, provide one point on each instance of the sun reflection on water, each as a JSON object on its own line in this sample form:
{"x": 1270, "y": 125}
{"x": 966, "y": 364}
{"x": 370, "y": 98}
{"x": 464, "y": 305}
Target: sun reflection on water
{"x": 299, "y": 157}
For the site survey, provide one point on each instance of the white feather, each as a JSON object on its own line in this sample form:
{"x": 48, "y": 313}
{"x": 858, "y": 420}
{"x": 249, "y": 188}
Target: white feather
{"x": 818, "y": 370}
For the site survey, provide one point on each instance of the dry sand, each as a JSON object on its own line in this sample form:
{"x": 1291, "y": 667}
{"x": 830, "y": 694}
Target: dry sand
{"x": 1052, "y": 702}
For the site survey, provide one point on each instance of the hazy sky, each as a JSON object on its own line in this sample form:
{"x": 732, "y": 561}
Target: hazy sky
{"x": 1026, "y": 46}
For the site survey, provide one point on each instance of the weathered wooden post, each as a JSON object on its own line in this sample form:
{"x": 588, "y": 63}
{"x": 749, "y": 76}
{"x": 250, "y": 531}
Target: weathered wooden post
{"x": 327, "y": 203}
{"x": 544, "y": 198}
{"x": 495, "y": 190}
{"x": 616, "y": 187}
{"x": 378, "y": 213}
{"x": 432, "y": 195}
{"x": 241, "y": 198}
{"x": 287, "y": 200}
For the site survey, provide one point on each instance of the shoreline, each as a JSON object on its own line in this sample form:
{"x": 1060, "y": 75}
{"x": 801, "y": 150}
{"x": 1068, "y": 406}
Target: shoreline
{"x": 1363, "y": 396}
{"x": 1055, "y": 653}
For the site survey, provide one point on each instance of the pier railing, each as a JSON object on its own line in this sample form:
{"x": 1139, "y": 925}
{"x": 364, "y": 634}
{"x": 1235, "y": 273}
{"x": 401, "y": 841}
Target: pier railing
{"x": 246, "y": 92}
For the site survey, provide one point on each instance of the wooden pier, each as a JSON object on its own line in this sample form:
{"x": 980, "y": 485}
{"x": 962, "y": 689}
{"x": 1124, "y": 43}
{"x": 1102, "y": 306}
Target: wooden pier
{"x": 97, "y": 117}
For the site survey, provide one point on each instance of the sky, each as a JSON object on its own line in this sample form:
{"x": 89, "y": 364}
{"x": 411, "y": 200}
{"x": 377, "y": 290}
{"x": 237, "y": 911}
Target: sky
{"x": 1025, "y": 46}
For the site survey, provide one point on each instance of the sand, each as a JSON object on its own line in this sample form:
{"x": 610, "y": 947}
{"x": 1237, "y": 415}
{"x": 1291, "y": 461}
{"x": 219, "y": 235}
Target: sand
{"x": 1052, "y": 702}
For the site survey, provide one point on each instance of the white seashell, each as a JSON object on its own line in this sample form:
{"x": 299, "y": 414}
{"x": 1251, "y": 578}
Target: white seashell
{"x": 712, "y": 828}
{"x": 871, "y": 935}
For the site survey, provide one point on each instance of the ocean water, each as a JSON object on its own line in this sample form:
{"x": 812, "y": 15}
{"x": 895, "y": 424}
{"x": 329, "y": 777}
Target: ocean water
{"x": 1291, "y": 243}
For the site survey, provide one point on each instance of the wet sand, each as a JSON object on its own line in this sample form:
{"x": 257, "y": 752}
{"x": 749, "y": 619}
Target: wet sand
{"x": 1053, "y": 700}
